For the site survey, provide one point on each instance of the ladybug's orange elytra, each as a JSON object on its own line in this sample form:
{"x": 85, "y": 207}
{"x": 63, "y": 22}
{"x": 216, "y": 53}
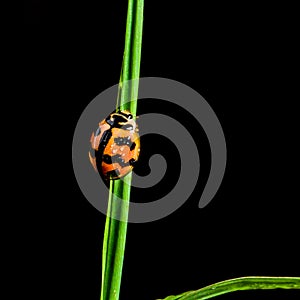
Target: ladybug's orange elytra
{"x": 116, "y": 144}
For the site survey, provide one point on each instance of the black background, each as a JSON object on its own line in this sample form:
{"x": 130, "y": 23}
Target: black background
{"x": 239, "y": 58}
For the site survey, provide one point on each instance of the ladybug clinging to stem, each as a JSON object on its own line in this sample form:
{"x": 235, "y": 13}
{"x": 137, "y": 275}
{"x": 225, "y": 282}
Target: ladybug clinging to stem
{"x": 117, "y": 145}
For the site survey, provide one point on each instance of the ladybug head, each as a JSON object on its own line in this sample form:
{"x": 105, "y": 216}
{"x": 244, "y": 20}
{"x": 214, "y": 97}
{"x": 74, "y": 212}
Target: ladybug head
{"x": 121, "y": 119}
{"x": 126, "y": 114}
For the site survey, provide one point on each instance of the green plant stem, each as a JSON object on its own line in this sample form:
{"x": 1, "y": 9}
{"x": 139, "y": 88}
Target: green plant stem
{"x": 239, "y": 284}
{"x": 132, "y": 57}
{"x": 115, "y": 230}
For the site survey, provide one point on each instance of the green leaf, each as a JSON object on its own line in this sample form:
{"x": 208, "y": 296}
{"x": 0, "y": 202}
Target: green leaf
{"x": 239, "y": 284}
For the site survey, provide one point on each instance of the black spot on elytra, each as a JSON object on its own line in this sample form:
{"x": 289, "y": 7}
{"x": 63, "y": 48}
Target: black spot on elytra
{"x": 99, "y": 152}
{"x": 127, "y": 127}
{"x": 105, "y": 139}
{"x": 115, "y": 159}
{"x": 120, "y": 141}
{"x": 132, "y": 162}
{"x": 98, "y": 131}
{"x": 132, "y": 147}
{"x": 107, "y": 159}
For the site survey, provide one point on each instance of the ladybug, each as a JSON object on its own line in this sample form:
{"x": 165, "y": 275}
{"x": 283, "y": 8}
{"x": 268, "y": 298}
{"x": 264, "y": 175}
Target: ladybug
{"x": 116, "y": 144}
